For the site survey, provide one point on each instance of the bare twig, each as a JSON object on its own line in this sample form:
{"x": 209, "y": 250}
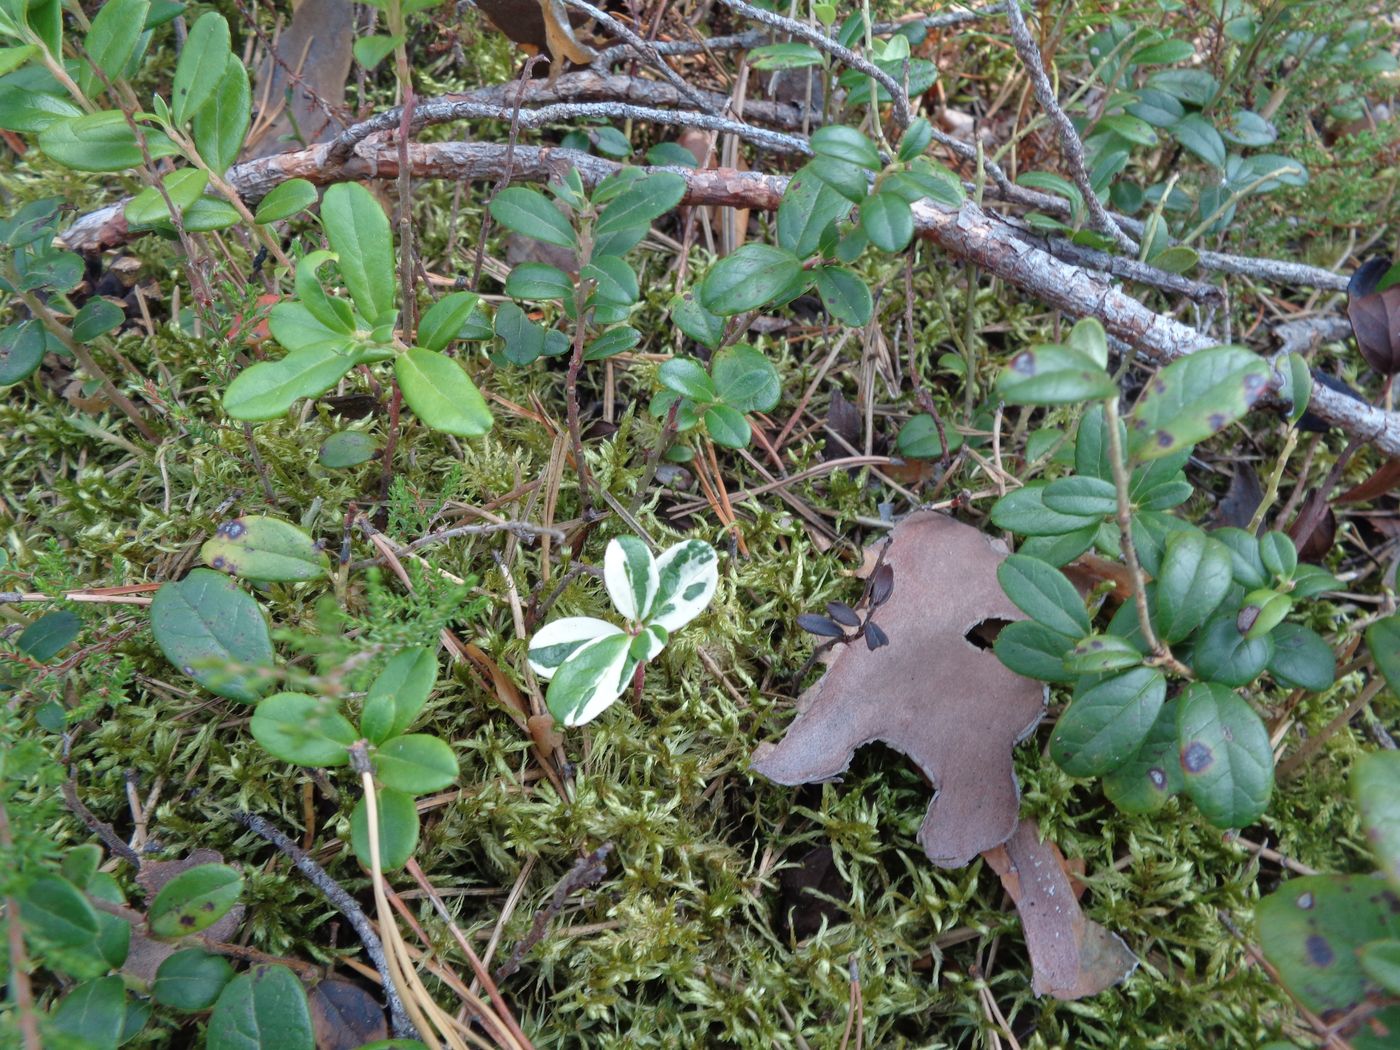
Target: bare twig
{"x": 587, "y": 871}
{"x": 344, "y": 903}
{"x": 1071, "y": 148}
{"x": 647, "y": 51}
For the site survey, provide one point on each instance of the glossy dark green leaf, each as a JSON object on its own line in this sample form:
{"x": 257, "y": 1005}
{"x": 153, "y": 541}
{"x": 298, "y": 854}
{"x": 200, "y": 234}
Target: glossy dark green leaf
{"x": 1375, "y": 784}
{"x": 1312, "y": 930}
{"x": 1278, "y": 554}
{"x": 1301, "y": 660}
{"x": 1034, "y": 651}
{"x": 1222, "y": 654}
{"x": 203, "y": 60}
{"x": 1200, "y": 137}
{"x": 1023, "y": 511}
{"x": 32, "y": 111}
{"x": 286, "y": 200}
{"x": 214, "y": 632}
{"x": 688, "y": 378}
{"x": 1226, "y": 759}
{"x": 57, "y": 911}
{"x": 1043, "y": 593}
{"x": 194, "y": 900}
{"x": 888, "y": 221}
{"x": 614, "y": 284}
{"x": 540, "y": 281}
{"x": 1059, "y": 550}
{"x": 49, "y": 635}
{"x": 727, "y": 426}
{"x": 1246, "y": 565}
{"x": 745, "y": 380}
{"x": 627, "y": 217}
{"x": 415, "y": 764}
{"x": 22, "y": 348}
{"x": 846, "y": 143}
{"x": 808, "y": 207}
{"x": 92, "y": 1013}
{"x": 1082, "y": 496}
{"x": 1145, "y": 782}
{"x": 398, "y": 829}
{"x": 1053, "y": 375}
{"x": 441, "y": 393}
{"x": 530, "y": 213}
{"x": 1192, "y": 581}
{"x": 96, "y": 318}
{"x": 305, "y": 730}
{"x": 221, "y": 125}
{"x": 262, "y": 1009}
{"x": 695, "y": 321}
{"x": 1107, "y": 721}
{"x": 1194, "y": 397}
{"x": 358, "y": 232}
{"x": 750, "y": 277}
{"x": 191, "y": 980}
{"x": 267, "y": 389}
{"x": 845, "y": 294}
{"x": 851, "y": 181}
{"x": 1195, "y": 86}
{"x": 614, "y": 341}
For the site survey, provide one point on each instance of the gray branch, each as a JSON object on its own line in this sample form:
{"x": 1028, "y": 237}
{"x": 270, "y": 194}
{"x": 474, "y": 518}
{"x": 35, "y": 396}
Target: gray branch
{"x": 647, "y": 52}
{"x": 1070, "y": 146}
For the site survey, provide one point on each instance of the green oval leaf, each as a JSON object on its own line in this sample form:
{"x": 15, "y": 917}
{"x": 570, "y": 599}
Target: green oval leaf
{"x": 58, "y": 912}
{"x": 1053, "y": 375}
{"x": 748, "y": 278}
{"x": 415, "y": 764}
{"x": 808, "y": 207}
{"x": 530, "y": 213}
{"x": 190, "y": 980}
{"x": 1081, "y": 496}
{"x": 446, "y": 320}
{"x": 888, "y": 221}
{"x": 627, "y": 217}
{"x": 398, "y": 829}
{"x": 257, "y": 547}
{"x": 1301, "y": 659}
{"x": 1035, "y": 651}
{"x": 306, "y": 730}
{"x": 49, "y": 635}
{"x": 1107, "y": 722}
{"x": 1102, "y": 652}
{"x": 1383, "y": 641}
{"x": 745, "y": 380}
{"x": 92, "y": 1013}
{"x": 844, "y": 294}
{"x": 221, "y": 125}
{"x": 1043, "y": 593}
{"x": 267, "y": 389}
{"x": 1221, "y": 653}
{"x": 203, "y": 60}
{"x": 1145, "y": 782}
{"x": 100, "y": 141}
{"x": 848, "y": 144}
{"x": 1024, "y": 512}
{"x": 22, "y": 348}
{"x": 358, "y": 232}
{"x": 214, "y": 632}
{"x": 590, "y": 681}
{"x": 397, "y": 694}
{"x": 441, "y": 393}
{"x": 263, "y": 1009}
{"x": 1312, "y": 930}
{"x": 727, "y": 426}
{"x": 1193, "y": 579}
{"x": 1226, "y": 759}
{"x": 284, "y": 201}
{"x": 1375, "y": 784}
{"x": 111, "y": 41}
{"x": 1194, "y": 397}
{"x": 347, "y": 448}
{"x": 194, "y": 900}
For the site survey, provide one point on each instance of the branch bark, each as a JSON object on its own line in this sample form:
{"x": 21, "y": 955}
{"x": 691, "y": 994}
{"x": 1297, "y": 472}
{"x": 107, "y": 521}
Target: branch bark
{"x": 970, "y": 234}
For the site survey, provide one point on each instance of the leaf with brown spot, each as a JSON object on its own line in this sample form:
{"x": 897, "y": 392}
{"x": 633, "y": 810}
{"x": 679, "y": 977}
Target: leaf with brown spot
{"x": 1071, "y": 955}
{"x": 345, "y": 1016}
{"x": 930, "y": 693}
{"x": 146, "y": 953}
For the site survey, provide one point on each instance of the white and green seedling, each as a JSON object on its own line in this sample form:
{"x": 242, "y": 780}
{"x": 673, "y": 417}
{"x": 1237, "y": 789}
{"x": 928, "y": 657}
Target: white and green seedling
{"x": 587, "y": 661}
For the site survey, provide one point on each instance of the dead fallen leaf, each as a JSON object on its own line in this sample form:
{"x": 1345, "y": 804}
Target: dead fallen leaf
{"x": 809, "y": 892}
{"x": 1241, "y": 500}
{"x": 1386, "y": 477}
{"x": 930, "y": 694}
{"x": 300, "y": 91}
{"x": 1071, "y": 956}
{"x": 1375, "y": 316}
{"x": 345, "y": 1015}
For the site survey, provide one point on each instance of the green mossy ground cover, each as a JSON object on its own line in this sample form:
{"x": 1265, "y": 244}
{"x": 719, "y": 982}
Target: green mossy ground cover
{"x": 685, "y": 942}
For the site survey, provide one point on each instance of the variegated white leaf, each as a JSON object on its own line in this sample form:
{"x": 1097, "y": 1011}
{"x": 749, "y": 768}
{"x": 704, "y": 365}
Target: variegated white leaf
{"x": 649, "y": 643}
{"x": 629, "y": 573}
{"x": 590, "y": 681}
{"x": 557, "y": 641}
{"x": 689, "y": 574}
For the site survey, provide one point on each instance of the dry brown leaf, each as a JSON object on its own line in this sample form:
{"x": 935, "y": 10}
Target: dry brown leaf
{"x": 930, "y": 693}
{"x": 1386, "y": 477}
{"x": 1071, "y": 956}
{"x": 345, "y": 1015}
{"x": 312, "y": 66}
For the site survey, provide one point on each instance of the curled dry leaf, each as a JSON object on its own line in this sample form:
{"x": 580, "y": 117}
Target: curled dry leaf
{"x": 1375, "y": 316}
{"x": 1071, "y": 955}
{"x": 930, "y": 693}
{"x": 344, "y": 1015}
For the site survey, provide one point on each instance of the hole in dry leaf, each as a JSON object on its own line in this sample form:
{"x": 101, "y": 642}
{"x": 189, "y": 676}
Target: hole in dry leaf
{"x": 984, "y": 633}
